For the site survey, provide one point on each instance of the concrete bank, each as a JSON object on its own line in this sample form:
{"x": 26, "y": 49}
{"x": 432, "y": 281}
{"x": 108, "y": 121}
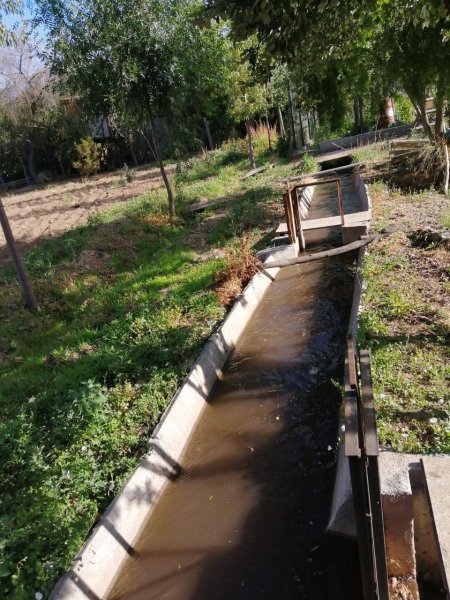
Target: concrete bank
{"x": 99, "y": 561}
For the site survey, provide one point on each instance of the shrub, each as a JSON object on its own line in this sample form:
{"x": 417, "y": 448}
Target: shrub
{"x": 88, "y": 157}
{"x": 404, "y": 110}
{"x": 242, "y": 265}
{"x": 283, "y": 147}
{"x": 309, "y": 164}
{"x": 126, "y": 174}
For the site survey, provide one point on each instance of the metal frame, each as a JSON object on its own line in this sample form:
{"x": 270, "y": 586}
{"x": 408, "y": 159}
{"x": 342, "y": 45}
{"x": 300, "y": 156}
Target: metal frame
{"x": 293, "y": 213}
{"x": 361, "y": 448}
{"x": 338, "y": 182}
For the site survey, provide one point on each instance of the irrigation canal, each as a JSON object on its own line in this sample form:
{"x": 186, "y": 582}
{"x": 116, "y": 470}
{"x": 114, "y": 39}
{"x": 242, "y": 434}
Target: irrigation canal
{"x": 246, "y": 517}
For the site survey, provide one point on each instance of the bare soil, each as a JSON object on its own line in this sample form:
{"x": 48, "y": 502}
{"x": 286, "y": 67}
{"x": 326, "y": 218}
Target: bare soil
{"x": 48, "y": 211}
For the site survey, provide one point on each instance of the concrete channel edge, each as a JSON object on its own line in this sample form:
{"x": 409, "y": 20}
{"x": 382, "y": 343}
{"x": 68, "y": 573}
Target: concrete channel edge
{"x": 98, "y": 563}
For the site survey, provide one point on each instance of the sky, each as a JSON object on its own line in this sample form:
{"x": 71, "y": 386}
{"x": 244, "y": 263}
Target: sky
{"x": 13, "y": 20}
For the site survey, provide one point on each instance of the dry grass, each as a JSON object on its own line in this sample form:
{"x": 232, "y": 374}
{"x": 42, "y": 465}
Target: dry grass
{"x": 242, "y": 265}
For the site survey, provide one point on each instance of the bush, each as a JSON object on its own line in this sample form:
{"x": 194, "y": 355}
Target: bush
{"x": 126, "y": 174}
{"x": 309, "y": 164}
{"x": 233, "y": 151}
{"x": 283, "y": 148}
{"x": 404, "y": 110}
{"x": 88, "y": 153}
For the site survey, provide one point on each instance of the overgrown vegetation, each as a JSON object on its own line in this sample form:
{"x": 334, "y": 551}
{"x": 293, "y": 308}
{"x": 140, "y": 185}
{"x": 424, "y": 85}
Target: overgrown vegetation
{"x": 405, "y": 322}
{"x": 126, "y": 304}
{"x": 370, "y": 154}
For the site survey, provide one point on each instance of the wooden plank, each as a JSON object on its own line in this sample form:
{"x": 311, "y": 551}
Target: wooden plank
{"x": 254, "y": 172}
{"x": 204, "y": 204}
{"x": 22, "y": 274}
{"x": 437, "y": 477}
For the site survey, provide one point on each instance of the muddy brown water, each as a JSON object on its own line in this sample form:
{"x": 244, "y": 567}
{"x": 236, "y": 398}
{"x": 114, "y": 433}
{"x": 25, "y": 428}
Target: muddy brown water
{"x": 246, "y": 518}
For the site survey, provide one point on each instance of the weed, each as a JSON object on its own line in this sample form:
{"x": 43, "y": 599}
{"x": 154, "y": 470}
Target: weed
{"x": 126, "y": 175}
{"x": 309, "y": 164}
{"x": 445, "y": 219}
{"x": 242, "y": 264}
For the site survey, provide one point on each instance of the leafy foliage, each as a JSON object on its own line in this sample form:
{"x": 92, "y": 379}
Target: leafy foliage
{"x": 88, "y": 153}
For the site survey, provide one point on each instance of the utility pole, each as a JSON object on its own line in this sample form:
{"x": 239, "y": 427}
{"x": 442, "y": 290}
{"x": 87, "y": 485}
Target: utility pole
{"x": 22, "y": 275}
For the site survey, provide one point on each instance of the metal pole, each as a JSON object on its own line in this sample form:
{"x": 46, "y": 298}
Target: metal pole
{"x": 341, "y": 202}
{"x": 22, "y": 275}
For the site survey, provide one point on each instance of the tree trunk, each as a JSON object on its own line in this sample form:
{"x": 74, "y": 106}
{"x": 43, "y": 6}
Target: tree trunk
{"x": 439, "y": 121}
{"x": 30, "y": 161}
{"x": 419, "y": 107}
{"x": 25, "y": 173}
{"x": 133, "y": 153}
{"x": 281, "y": 123}
{"x": 170, "y": 197}
{"x": 291, "y": 112}
{"x": 308, "y": 128}
{"x": 268, "y": 132}
{"x": 61, "y": 165}
{"x": 250, "y": 144}
{"x": 447, "y": 170}
{"x": 361, "y": 113}
{"x": 152, "y": 150}
{"x": 208, "y": 134}
{"x": 302, "y": 133}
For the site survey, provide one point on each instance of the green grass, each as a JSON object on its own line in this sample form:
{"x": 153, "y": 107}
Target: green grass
{"x": 445, "y": 219}
{"x": 408, "y": 338}
{"x": 370, "y": 154}
{"x": 126, "y": 305}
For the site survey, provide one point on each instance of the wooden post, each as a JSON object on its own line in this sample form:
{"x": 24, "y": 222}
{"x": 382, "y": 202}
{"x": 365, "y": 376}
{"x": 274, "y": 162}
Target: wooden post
{"x": 298, "y": 214}
{"x": 22, "y": 275}
{"x": 268, "y": 132}
{"x": 291, "y": 214}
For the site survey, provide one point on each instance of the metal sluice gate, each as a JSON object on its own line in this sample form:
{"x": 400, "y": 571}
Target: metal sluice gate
{"x": 362, "y": 450}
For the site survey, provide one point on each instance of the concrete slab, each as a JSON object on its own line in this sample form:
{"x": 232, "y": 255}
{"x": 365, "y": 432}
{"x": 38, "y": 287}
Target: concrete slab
{"x": 437, "y": 478}
{"x": 396, "y": 497}
{"x": 281, "y": 252}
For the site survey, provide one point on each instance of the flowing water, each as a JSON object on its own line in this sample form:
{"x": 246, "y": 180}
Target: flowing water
{"x": 247, "y": 515}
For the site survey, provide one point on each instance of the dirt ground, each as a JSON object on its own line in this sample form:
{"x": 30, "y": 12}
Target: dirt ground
{"x": 48, "y": 211}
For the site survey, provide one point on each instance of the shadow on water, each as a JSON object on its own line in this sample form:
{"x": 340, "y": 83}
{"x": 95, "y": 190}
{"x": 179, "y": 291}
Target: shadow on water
{"x": 246, "y": 517}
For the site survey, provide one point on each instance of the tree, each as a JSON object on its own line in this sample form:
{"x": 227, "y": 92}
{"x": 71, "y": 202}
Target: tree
{"x": 27, "y": 98}
{"x": 277, "y": 93}
{"x": 415, "y": 58}
{"x": 119, "y": 57}
{"x": 247, "y": 98}
{"x": 205, "y": 57}
{"x": 7, "y": 8}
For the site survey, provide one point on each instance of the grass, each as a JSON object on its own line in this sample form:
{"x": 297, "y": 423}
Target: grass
{"x": 370, "y": 154}
{"x": 126, "y": 305}
{"x": 445, "y": 219}
{"x": 405, "y": 323}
